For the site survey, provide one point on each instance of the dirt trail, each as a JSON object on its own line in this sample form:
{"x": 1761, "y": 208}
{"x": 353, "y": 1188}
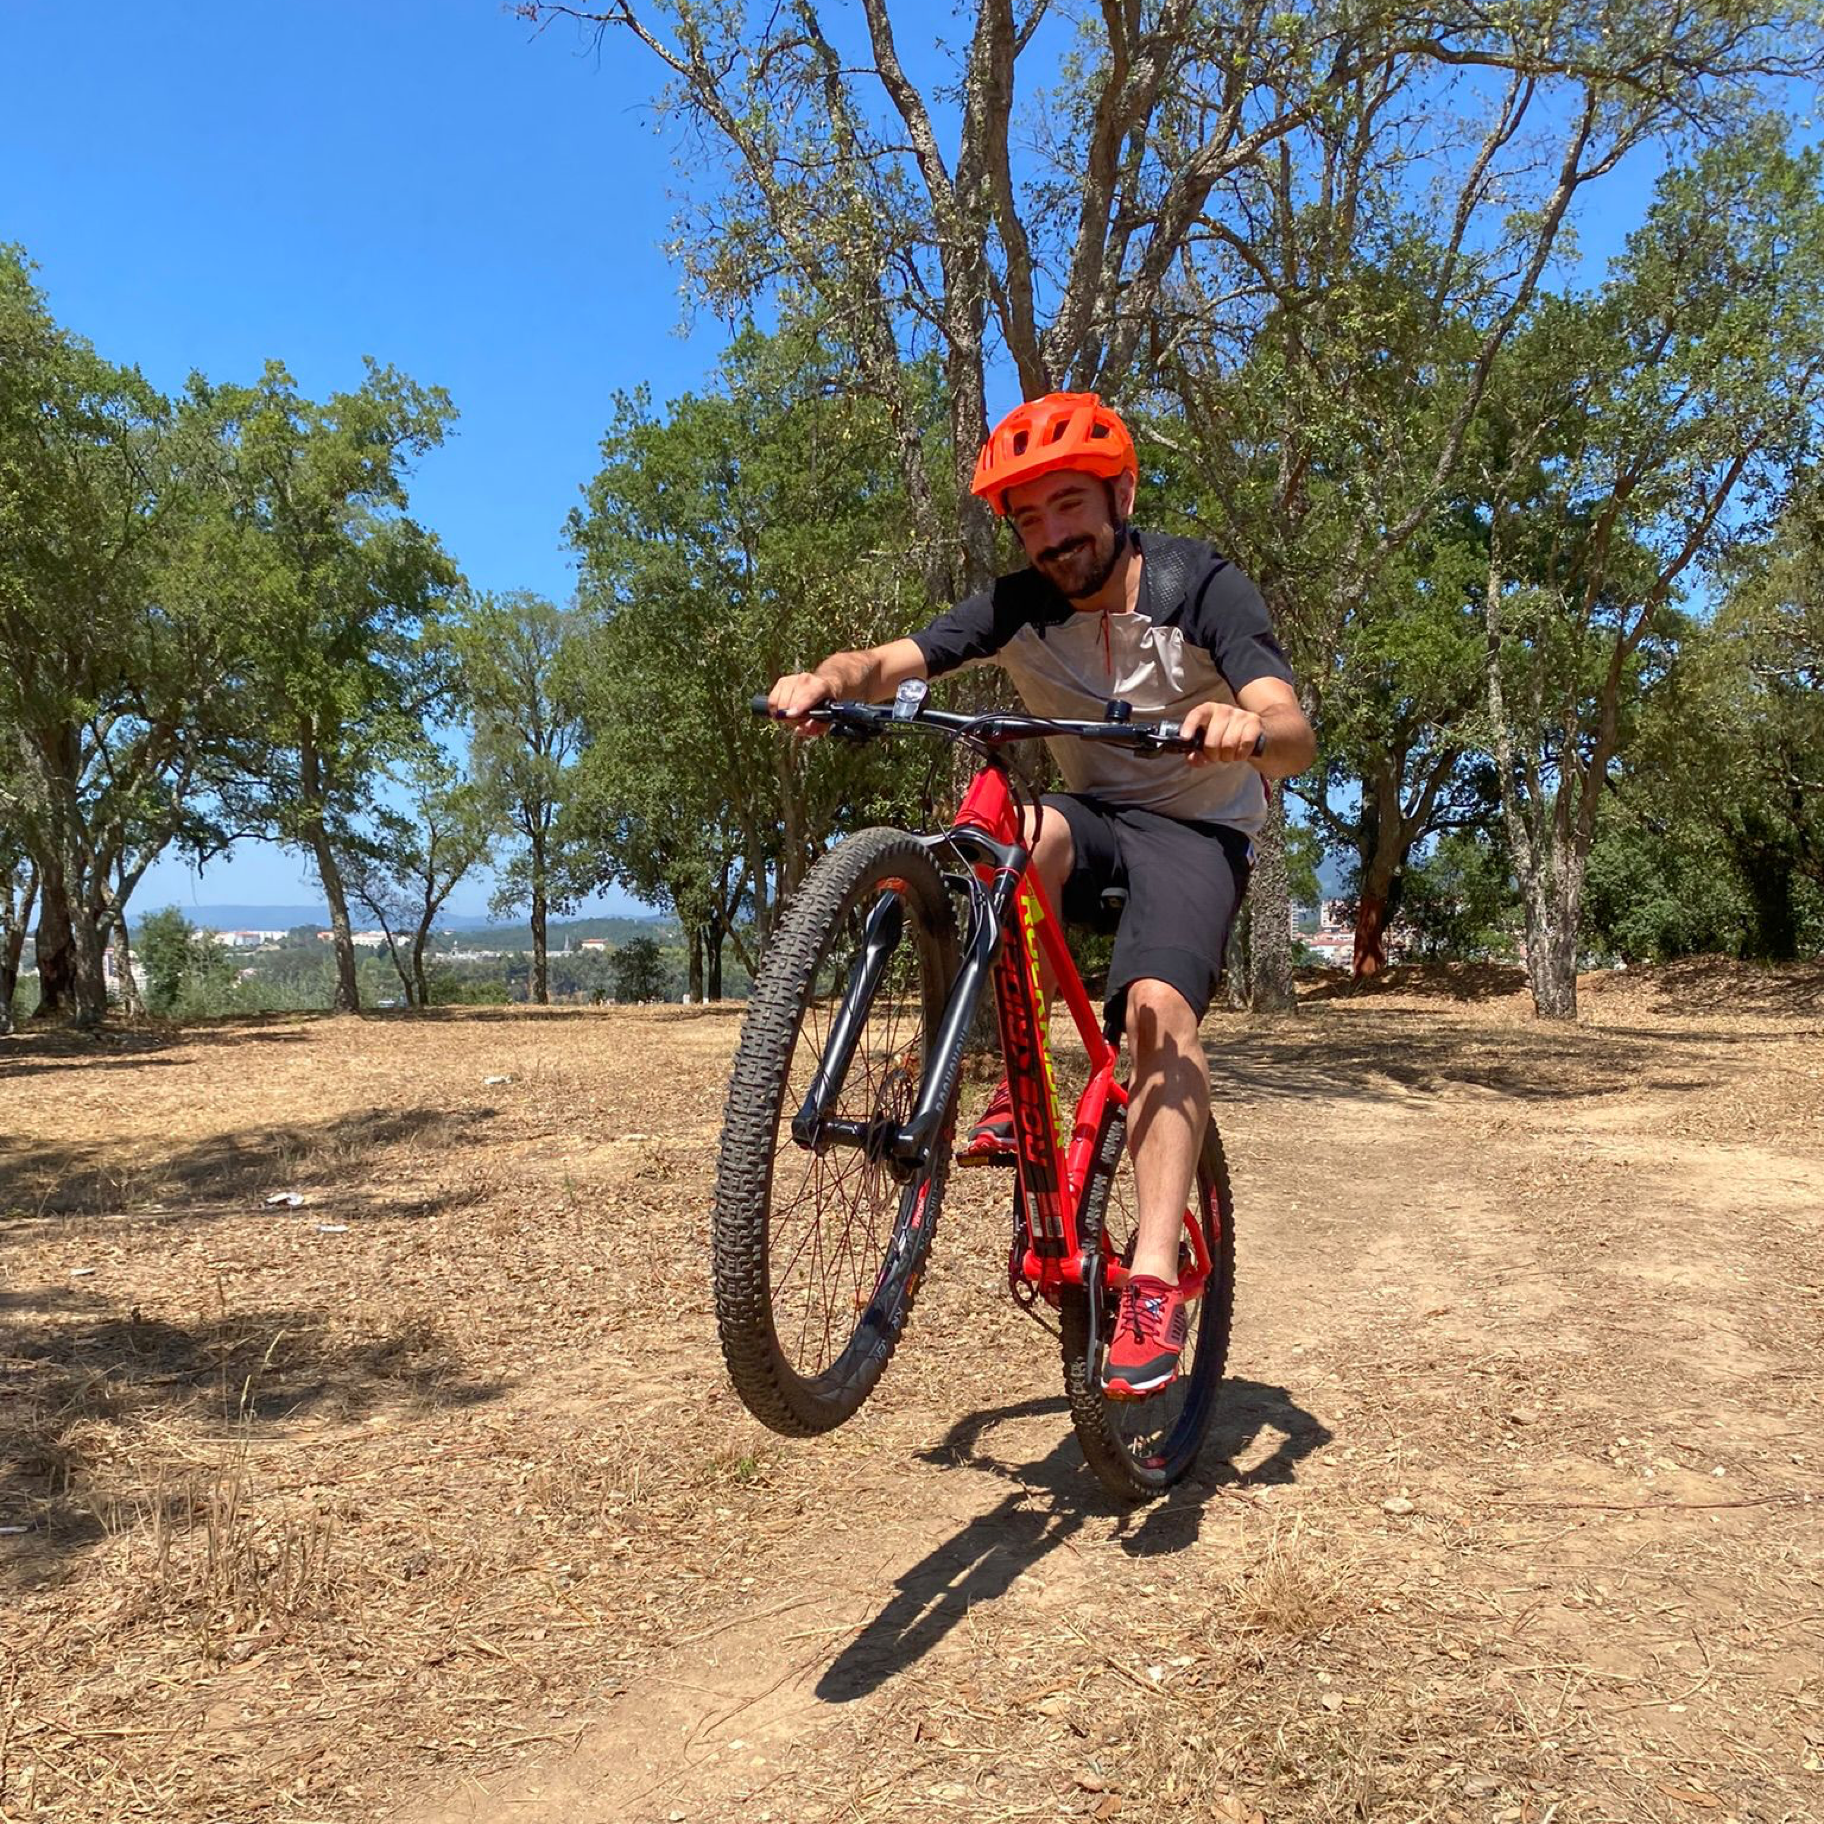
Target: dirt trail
{"x": 1509, "y": 1513}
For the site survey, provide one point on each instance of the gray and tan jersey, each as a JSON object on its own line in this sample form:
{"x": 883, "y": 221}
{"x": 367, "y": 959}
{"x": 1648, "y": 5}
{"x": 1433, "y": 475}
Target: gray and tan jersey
{"x": 1199, "y": 632}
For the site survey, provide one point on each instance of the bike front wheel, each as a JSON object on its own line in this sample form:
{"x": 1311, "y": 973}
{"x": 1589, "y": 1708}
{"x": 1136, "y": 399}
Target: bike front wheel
{"x": 818, "y": 1251}
{"x": 1139, "y": 1448}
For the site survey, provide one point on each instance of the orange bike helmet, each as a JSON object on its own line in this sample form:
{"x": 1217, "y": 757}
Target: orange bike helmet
{"x": 1060, "y": 431}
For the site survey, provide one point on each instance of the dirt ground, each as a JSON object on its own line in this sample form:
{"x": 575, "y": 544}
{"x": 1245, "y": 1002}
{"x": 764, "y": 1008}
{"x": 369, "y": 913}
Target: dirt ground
{"x": 424, "y": 1498}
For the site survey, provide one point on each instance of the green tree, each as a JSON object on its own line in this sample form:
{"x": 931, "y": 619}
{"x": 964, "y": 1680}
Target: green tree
{"x": 1642, "y": 435}
{"x": 1712, "y": 832}
{"x": 1460, "y": 902}
{"x": 342, "y": 593}
{"x": 520, "y": 689}
{"x": 1398, "y": 761}
{"x": 1187, "y": 179}
{"x": 166, "y": 941}
{"x": 405, "y": 865}
{"x": 186, "y": 969}
{"x": 638, "y": 970}
{"x": 18, "y": 894}
{"x": 1063, "y": 232}
{"x": 736, "y": 538}
{"x": 1770, "y": 636}
{"x": 116, "y": 670}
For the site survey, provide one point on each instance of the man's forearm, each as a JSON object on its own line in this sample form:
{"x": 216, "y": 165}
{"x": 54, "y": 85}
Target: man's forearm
{"x": 1290, "y": 747}
{"x": 875, "y": 674}
{"x": 853, "y": 674}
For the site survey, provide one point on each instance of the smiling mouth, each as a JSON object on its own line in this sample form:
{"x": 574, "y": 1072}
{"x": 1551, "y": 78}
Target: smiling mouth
{"x": 1063, "y": 553}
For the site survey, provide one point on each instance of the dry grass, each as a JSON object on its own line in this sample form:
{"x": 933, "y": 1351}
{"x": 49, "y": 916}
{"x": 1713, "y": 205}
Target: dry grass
{"x": 433, "y": 1479}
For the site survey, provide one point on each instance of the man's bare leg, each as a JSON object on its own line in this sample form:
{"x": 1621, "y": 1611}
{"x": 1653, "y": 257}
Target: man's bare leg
{"x": 1166, "y": 1112}
{"x": 1170, "y": 1099}
{"x": 1051, "y": 860}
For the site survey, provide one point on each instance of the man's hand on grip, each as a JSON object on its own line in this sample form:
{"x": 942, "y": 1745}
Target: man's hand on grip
{"x": 1227, "y": 731}
{"x": 795, "y": 695}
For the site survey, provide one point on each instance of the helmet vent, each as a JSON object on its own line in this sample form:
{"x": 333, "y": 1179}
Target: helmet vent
{"x": 1098, "y": 430}
{"x": 1019, "y": 443}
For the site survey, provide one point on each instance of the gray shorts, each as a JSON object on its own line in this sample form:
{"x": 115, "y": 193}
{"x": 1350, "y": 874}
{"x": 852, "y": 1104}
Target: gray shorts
{"x": 1184, "y": 884}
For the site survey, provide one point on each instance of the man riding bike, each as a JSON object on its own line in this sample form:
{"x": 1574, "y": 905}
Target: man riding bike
{"x": 1175, "y": 630}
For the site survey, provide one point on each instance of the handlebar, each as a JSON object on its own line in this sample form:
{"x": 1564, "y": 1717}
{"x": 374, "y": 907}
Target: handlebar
{"x": 998, "y": 728}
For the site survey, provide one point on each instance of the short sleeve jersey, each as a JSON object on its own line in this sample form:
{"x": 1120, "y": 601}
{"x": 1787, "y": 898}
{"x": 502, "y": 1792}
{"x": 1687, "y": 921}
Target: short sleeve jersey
{"x": 1199, "y": 632}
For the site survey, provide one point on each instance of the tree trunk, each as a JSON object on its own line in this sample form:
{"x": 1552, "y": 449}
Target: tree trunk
{"x": 329, "y": 872}
{"x": 1553, "y": 897}
{"x": 712, "y": 943}
{"x": 1551, "y": 965}
{"x": 541, "y": 972}
{"x": 74, "y": 987}
{"x": 1370, "y": 936}
{"x": 15, "y": 918}
{"x": 312, "y": 789}
{"x": 1270, "y": 983}
{"x": 793, "y": 844}
{"x": 694, "y": 984}
{"x": 131, "y": 1002}
{"x": 1235, "y": 962}
{"x": 56, "y": 953}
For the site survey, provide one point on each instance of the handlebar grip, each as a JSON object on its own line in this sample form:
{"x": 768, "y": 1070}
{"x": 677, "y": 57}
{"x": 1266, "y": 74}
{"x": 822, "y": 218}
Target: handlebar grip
{"x": 1168, "y": 736}
{"x": 760, "y": 705}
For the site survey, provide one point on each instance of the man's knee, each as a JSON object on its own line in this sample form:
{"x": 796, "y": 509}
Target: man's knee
{"x": 1156, "y": 1012}
{"x": 1048, "y": 837}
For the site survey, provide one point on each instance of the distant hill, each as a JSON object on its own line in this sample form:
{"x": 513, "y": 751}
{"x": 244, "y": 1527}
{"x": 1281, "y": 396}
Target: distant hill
{"x": 485, "y": 932}
{"x": 569, "y": 931}
{"x": 244, "y": 918}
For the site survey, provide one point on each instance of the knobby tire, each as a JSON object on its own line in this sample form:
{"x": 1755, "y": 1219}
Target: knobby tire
{"x": 763, "y": 1096}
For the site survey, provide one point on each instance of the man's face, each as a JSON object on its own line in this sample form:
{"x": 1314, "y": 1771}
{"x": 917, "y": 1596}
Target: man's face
{"x": 1066, "y": 524}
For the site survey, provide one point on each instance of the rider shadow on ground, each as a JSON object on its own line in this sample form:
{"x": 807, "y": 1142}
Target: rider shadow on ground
{"x": 1050, "y": 1500}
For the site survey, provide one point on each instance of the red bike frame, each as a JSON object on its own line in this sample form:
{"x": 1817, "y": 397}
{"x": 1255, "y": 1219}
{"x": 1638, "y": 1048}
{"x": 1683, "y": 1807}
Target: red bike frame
{"x": 1056, "y": 1177}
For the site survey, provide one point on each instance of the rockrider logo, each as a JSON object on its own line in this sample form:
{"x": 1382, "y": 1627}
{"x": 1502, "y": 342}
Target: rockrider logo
{"x": 1030, "y": 1078}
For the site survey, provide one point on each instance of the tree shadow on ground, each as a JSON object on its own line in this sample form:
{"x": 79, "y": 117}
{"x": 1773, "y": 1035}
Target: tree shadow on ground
{"x": 35, "y": 1050}
{"x": 227, "y": 1171}
{"x": 86, "y": 1393}
{"x": 1430, "y": 981}
{"x": 1428, "y": 1055}
{"x": 1049, "y": 1502}
{"x": 664, "y": 1013}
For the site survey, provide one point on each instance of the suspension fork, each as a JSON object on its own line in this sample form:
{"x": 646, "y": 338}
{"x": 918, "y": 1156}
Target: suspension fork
{"x": 879, "y": 939}
{"x": 906, "y": 1149}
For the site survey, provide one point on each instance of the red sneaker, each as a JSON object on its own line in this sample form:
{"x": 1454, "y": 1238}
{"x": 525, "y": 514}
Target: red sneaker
{"x": 992, "y": 1135}
{"x": 1150, "y": 1328}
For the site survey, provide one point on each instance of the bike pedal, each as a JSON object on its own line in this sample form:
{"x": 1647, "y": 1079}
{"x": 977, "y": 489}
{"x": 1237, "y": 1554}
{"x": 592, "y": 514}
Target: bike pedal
{"x": 973, "y": 1160}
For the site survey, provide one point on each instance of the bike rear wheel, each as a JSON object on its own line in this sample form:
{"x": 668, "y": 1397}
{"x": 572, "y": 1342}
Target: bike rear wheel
{"x": 1139, "y": 1448}
{"x": 818, "y": 1255}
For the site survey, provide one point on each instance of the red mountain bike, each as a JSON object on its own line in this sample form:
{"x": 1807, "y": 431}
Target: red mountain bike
{"x": 842, "y": 1112}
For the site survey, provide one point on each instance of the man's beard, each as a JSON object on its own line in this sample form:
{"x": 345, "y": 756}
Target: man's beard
{"x": 1079, "y": 569}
